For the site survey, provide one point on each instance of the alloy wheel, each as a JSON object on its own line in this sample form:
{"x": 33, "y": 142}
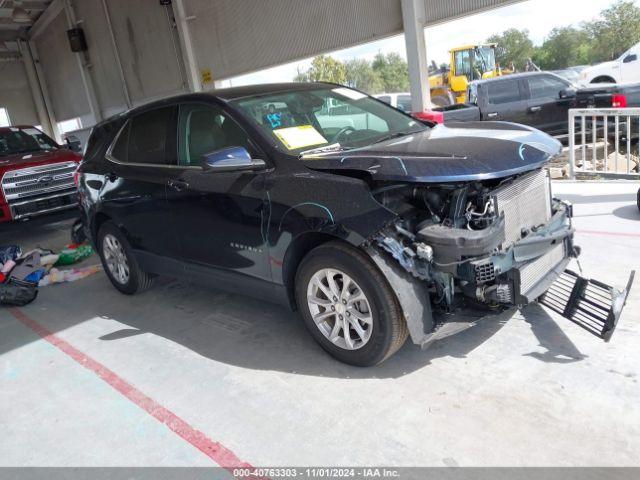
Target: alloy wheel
{"x": 340, "y": 309}
{"x": 115, "y": 258}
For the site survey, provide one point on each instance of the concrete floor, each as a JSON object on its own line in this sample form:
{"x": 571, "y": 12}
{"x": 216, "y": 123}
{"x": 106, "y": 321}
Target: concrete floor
{"x": 532, "y": 389}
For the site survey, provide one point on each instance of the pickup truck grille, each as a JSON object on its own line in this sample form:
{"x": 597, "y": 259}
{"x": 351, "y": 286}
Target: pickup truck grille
{"x": 34, "y": 190}
{"x": 525, "y": 203}
{"x": 39, "y": 180}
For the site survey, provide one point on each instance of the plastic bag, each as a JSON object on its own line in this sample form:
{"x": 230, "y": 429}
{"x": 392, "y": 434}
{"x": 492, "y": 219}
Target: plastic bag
{"x": 9, "y": 252}
{"x": 17, "y": 293}
{"x": 70, "y": 255}
{"x": 71, "y": 275}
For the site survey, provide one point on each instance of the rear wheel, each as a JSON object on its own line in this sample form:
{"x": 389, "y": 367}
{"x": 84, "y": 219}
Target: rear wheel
{"x": 638, "y": 200}
{"x": 348, "y": 306}
{"x": 118, "y": 261}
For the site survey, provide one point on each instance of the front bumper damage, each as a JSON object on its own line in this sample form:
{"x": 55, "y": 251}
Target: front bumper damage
{"x": 447, "y": 279}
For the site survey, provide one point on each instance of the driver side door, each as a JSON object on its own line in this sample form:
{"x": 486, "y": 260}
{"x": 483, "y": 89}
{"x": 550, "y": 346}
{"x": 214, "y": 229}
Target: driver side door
{"x": 216, "y": 215}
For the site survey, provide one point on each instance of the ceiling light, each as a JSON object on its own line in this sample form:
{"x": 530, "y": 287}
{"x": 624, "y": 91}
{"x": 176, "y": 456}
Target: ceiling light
{"x": 20, "y": 15}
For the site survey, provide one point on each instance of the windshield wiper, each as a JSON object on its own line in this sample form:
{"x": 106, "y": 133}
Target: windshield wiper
{"x": 392, "y": 136}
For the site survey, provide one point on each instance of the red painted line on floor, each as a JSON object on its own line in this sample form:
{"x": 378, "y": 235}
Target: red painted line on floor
{"x": 611, "y": 234}
{"x": 214, "y": 450}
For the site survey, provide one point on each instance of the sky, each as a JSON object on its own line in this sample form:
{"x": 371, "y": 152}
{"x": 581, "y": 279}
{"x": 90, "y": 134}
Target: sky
{"x": 538, "y": 16}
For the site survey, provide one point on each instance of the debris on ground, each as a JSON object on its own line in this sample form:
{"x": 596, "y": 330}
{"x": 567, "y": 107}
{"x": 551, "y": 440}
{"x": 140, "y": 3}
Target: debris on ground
{"x": 70, "y": 275}
{"x": 22, "y": 274}
{"x": 73, "y": 254}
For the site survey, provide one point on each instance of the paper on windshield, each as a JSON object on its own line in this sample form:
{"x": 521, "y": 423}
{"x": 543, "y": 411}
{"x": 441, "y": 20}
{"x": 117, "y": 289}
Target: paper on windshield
{"x": 299, "y": 137}
{"x": 347, "y": 92}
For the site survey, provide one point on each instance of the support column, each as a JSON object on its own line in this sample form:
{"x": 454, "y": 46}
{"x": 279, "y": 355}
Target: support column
{"x": 413, "y": 19}
{"x": 39, "y": 90}
{"x": 34, "y": 86}
{"x": 83, "y": 65}
{"x": 186, "y": 45}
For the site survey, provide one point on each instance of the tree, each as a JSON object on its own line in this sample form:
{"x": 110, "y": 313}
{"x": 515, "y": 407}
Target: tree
{"x": 564, "y": 47}
{"x": 393, "y": 70}
{"x": 324, "y": 68}
{"x": 615, "y": 32}
{"x": 513, "y": 46}
{"x": 361, "y": 75}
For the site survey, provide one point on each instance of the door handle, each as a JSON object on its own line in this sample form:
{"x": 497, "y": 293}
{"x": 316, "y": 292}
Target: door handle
{"x": 492, "y": 115}
{"x": 178, "y": 185}
{"x": 535, "y": 109}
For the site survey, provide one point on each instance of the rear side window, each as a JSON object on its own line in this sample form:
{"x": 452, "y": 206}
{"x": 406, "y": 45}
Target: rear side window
{"x": 504, "y": 92}
{"x": 546, "y": 87}
{"x": 148, "y": 138}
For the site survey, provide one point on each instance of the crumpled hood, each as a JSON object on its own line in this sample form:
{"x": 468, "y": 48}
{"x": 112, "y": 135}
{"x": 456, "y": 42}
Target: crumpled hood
{"x": 447, "y": 153}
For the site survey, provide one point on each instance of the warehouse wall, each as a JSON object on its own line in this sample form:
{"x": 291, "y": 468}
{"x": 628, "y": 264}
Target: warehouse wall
{"x": 15, "y": 94}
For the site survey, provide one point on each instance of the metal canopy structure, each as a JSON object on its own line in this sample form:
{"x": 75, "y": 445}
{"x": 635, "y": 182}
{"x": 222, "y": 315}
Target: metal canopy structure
{"x": 147, "y": 49}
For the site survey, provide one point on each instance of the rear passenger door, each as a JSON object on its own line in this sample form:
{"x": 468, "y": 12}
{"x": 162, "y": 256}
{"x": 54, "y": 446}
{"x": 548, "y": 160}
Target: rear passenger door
{"x": 503, "y": 100}
{"x": 545, "y": 109}
{"x": 140, "y": 163}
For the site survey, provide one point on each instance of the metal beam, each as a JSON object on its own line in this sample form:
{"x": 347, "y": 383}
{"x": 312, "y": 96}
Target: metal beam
{"x": 413, "y": 19}
{"x": 30, "y": 49}
{"x": 46, "y": 18}
{"x": 36, "y": 90}
{"x": 186, "y": 44}
{"x": 27, "y": 5}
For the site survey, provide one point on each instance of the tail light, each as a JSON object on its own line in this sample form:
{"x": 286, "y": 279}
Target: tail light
{"x": 618, "y": 101}
{"x": 429, "y": 116}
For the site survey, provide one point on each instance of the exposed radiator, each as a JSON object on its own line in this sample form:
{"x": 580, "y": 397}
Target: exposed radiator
{"x": 525, "y": 203}
{"x": 534, "y": 271}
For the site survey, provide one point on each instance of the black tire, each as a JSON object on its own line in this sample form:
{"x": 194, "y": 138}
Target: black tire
{"x": 138, "y": 280}
{"x": 389, "y": 329}
{"x": 638, "y": 200}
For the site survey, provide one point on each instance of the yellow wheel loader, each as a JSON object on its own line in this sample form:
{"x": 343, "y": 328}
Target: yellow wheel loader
{"x": 468, "y": 63}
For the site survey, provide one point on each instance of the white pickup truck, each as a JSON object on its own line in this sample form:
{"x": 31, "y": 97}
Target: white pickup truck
{"x": 625, "y": 69}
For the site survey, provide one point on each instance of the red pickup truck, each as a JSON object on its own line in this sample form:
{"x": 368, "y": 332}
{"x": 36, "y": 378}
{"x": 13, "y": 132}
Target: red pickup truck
{"x": 36, "y": 173}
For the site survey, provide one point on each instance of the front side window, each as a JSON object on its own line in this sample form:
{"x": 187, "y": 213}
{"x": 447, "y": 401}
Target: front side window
{"x": 545, "y": 87}
{"x": 204, "y": 129}
{"x": 146, "y": 138}
{"x": 324, "y": 116}
{"x": 463, "y": 63}
{"x": 24, "y": 140}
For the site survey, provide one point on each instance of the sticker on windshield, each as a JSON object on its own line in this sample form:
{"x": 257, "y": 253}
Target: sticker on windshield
{"x": 299, "y": 137}
{"x": 347, "y": 92}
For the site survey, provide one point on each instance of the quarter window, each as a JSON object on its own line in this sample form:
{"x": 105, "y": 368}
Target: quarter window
{"x": 205, "y": 129}
{"x": 504, "y": 92}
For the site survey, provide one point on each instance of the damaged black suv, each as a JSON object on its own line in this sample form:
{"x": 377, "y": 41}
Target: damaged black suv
{"x": 375, "y": 226}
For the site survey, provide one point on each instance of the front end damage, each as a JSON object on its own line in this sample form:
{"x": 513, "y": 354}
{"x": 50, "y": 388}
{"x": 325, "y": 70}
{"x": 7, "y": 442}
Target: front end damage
{"x": 485, "y": 245}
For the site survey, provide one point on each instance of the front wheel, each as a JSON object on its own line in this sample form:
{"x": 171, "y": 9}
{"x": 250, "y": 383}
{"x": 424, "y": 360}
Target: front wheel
{"x": 348, "y": 306}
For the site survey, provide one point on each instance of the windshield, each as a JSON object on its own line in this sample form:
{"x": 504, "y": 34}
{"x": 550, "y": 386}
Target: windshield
{"x": 337, "y": 117}
{"x": 486, "y": 59}
{"x": 24, "y": 140}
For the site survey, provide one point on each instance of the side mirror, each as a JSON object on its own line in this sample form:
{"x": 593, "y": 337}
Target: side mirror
{"x": 232, "y": 159}
{"x": 73, "y": 143}
{"x": 630, "y": 58}
{"x": 567, "y": 93}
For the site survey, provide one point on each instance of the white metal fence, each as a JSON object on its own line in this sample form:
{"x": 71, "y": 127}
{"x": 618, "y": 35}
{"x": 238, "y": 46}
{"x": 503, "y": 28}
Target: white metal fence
{"x": 604, "y": 141}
